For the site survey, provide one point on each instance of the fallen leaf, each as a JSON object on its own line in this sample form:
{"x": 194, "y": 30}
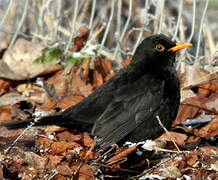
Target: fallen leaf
{"x": 12, "y": 98}
{"x": 80, "y": 40}
{"x": 5, "y": 113}
{"x": 192, "y": 158}
{"x": 17, "y": 62}
{"x": 69, "y": 101}
{"x": 68, "y": 136}
{"x": 209, "y": 150}
{"x": 61, "y": 147}
{"x": 170, "y": 172}
{"x": 55, "y": 159}
{"x": 209, "y": 130}
{"x": 87, "y": 140}
{"x": 64, "y": 170}
{"x": 84, "y": 172}
{"x": 212, "y": 102}
{"x": 189, "y": 109}
{"x": 97, "y": 79}
{"x": 4, "y": 85}
{"x": 205, "y": 89}
{"x": 127, "y": 60}
{"x": 178, "y": 138}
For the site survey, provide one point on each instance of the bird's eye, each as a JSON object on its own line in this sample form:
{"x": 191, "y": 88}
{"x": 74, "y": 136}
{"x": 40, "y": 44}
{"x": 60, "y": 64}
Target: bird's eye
{"x": 160, "y": 48}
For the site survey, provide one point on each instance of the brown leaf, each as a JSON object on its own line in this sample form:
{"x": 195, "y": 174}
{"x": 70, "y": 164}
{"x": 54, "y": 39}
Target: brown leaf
{"x": 69, "y": 101}
{"x": 60, "y": 147}
{"x": 84, "y": 31}
{"x": 127, "y": 61}
{"x": 80, "y": 40}
{"x": 178, "y": 138}
{"x": 55, "y": 159}
{"x": 209, "y": 130}
{"x": 84, "y": 172}
{"x": 4, "y": 85}
{"x": 87, "y": 140}
{"x": 205, "y": 89}
{"x": 79, "y": 87}
{"x": 121, "y": 155}
{"x": 209, "y": 150}
{"x": 64, "y": 170}
{"x": 103, "y": 66}
{"x": 107, "y": 65}
{"x": 192, "y": 158}
{"x": 53, "y": 129}
{"x": 5, "y": 113}
{"x": 97, "y": 79}
{"x": 60, "y": 81}
{"x": 49, "y": 104}
{"x": 68, "y": 136}
{"x": 78, "y": 43}
{"x": 170, "y": 172}
{"x": 44, "y": 142}
{"x": 189, "y": 108}
{"x": 212, "y": 102}
{"x": 83, "y": 71}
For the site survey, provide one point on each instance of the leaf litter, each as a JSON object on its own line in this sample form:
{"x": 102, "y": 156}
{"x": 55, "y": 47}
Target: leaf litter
{"x": 58, "y": 153}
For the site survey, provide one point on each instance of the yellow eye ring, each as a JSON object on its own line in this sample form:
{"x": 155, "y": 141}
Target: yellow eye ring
{"x": 160, "y": 48}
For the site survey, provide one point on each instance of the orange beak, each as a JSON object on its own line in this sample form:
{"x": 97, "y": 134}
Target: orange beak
{"x": 180, "y": 45}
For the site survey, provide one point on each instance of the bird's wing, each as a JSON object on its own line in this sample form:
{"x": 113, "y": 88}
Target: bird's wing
{"x": 132, "y": 104}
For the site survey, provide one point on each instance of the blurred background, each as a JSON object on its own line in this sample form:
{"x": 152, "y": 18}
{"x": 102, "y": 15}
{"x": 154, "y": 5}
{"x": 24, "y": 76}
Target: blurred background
{"x": 116, "y": 26}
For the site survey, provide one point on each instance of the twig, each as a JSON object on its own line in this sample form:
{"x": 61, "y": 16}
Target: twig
{"x": 92, "y": 17}
{"x": 124, "y": 31}
{"x": 159, "y": 121}
{"x": 57, "y": 21}
{"x": 199, "y": 34}
{"x": 21, "y": 135}
{"x": 161, "y": 15}
{"x": 103, "y": 155}
{"x": 108, "y": 24}
{"x": 77, "y": 170}
{"x": 178, "y": 19}
{"x": 147, "y": 6}
{"x": 55, "y": 173}
{"x": 20, "y": 24}
{"x": 6, "y": 13}
{"x": 159, "y": 164}
{"x": 72, "y": 26}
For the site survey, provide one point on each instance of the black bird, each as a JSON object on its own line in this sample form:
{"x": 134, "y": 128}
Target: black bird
{"x": 127, "y": 106}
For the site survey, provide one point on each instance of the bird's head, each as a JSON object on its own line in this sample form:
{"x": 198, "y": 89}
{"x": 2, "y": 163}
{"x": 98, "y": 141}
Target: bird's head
{"x": 158, "y": 50}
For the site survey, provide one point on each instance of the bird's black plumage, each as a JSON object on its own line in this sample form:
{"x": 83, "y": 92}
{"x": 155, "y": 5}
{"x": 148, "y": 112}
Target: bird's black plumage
{"x": 126, "y": 106}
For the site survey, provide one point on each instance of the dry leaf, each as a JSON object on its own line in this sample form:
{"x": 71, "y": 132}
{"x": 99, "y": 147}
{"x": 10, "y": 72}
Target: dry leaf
{"x": 69, "y": 101}
{"x": 64, "y": 170}
{"x": 68, "y": 136}
{"x": 189, "y": 108}
{"x": 209, "y": 130}
{"x": 87, "y": 140}
{"x": 55, "y": 159}
{"x": 178, "y": 138}
{"x": 127, "y": 61}
{"x": 61, "y": 147}
{"x": 17, "y": 62}
{"x": 4, "y": 85}
{"x": 97, "y": 79}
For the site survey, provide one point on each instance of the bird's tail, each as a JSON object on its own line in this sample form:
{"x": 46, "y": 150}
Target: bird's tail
{"x": 55, "y": 119}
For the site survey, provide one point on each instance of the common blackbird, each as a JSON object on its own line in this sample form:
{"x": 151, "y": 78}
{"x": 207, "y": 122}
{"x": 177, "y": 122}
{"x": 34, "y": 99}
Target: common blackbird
{"x": 128, "y": 106}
